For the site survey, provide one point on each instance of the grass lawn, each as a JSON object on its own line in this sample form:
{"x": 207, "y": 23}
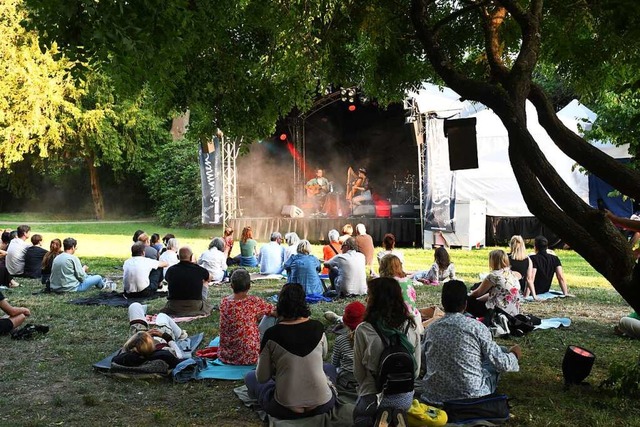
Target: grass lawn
{"x": 49, "y": 381}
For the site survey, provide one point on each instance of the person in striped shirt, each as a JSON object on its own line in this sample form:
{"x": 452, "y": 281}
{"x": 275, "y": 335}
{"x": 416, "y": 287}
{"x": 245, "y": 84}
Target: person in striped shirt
{"x": 342, "y": 357}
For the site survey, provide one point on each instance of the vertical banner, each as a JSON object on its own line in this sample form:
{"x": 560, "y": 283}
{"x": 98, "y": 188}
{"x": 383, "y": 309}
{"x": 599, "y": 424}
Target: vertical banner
{"x": 211, "y": 178}
{"x": 439, "y": 182}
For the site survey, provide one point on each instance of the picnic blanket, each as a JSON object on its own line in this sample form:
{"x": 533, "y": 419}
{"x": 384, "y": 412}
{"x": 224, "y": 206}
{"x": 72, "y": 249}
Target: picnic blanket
{"x": 151, "y": 318}
{"x": 113, "y": 299}
{"x": 547, "y": 295}
{"x": 340, "y": 415}
{"x": 553, "y": 323}
{"x": 218, "y": 370}
{"x": 187, "y": 345}
{"x": 310, "y": 299}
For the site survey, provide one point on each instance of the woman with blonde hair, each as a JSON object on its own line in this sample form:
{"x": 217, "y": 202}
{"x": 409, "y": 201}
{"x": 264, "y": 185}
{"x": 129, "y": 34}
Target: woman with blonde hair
{"x": 303, "y": 268}
{"x": 500, "y": 288}
{"x": 521, "y": 264}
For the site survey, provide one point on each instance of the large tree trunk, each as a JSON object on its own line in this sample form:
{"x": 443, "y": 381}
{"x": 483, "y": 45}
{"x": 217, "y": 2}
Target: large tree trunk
{"x": 96, "y": 190}
{"x": 506, "y": 91}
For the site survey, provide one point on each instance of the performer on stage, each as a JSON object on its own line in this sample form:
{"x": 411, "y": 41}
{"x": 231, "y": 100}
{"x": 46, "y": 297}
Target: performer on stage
{"x": 317, "y": 188}
{"x": 359, "y": 191}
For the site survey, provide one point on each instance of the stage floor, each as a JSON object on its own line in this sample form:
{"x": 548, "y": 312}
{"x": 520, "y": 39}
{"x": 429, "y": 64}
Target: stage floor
{"x": 406, "y": 230}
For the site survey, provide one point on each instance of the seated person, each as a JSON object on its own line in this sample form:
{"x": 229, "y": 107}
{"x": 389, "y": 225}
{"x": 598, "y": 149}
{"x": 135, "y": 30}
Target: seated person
{"x": 214, "y": 260}
{"x": 501, "y": 288}
{"x": 14, "y": 260}
{"x": 33, "y": 258}
{"x": 545, "y": 265}
{"x": 389, "y": 245}
{"x": 17, "y": 315}
{"x": 364, "y": 242}
{"x": 342, "y": 356}
{"x": 188, "y": 287}
{"x": 156, "y": 243}
{"x": 291, "y": 381}
{"x": 441, "y": 270}
{"x": 227, "y": 236}
{"x": 347, "y": 231}
{"x": 347, "y": 271}
{"x": 68, "y": 274}
{"x": 137, "y": 273}
{"x": 239, "y": 316}
{"x": 155, "y": 275}
{"x": 292, "y": 240}
{"x": 462, "y": 360}
{"x": 146, "y": 344}
{"x": 271, "y": 256}
{"x": 170, "y": 254}
{"x": 332, "y": 249}
{"x": 303, "y": 268}
{"x": 248, "y": 253}
{"x": 629, "y": 326}
{"x": 55, "y": 249}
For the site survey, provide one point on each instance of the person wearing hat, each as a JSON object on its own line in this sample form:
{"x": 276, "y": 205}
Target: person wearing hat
{"x": 342, "y": 357}
{"x": 361, "y": 188}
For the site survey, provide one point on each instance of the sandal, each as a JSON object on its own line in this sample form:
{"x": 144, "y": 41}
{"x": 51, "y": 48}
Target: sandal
{"x": 400, "y": 418}
{"x": 383, "y": 418}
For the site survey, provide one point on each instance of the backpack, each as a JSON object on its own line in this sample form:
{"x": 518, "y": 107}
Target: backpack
{"x": 493, "y": 408}
{"x": 395, "y": 367}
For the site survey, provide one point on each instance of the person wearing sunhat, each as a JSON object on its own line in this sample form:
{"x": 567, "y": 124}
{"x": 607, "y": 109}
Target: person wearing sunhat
{"x": 342, "y": 357}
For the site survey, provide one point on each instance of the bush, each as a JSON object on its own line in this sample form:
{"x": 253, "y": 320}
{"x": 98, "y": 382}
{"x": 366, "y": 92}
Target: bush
{"x": 174, "y": 183}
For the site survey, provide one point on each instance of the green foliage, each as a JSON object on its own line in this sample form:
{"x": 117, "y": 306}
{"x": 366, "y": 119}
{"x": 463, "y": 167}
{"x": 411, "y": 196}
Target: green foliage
{"x": 624, "y": 379}
{"x": 174, "y": 183}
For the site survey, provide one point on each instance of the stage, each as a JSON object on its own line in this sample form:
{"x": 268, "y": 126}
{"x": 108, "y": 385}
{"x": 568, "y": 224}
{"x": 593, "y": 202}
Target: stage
{"x": 406, "y": 230}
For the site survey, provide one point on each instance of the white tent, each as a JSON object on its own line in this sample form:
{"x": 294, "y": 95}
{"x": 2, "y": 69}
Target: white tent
{"x": 494, "y": 180}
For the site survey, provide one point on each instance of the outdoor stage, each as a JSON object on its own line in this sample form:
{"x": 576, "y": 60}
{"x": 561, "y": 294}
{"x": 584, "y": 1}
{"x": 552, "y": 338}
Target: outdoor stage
{"x": 406, "y": 230}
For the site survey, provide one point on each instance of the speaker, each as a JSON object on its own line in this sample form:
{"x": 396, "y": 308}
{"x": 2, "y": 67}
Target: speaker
{"x": 463, "y": 146}
{"x": 364, "y": 210}
{"x": 292, "y": 211}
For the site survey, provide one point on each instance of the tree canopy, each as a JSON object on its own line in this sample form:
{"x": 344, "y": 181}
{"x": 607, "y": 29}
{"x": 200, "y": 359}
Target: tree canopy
{"x": 242, "y": 64}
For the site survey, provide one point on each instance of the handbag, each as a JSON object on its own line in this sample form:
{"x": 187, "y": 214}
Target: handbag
{"x": 493, "y": 408}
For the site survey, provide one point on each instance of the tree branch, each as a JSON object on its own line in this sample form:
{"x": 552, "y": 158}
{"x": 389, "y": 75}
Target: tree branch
{"x": 491, "y": 23}
{"x": 622, "y": 178}
{"x": 451, "y": 17}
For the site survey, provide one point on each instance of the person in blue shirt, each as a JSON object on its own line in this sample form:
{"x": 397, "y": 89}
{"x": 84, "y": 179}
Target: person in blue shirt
{"x": 303, "y": 268}
{"x": 271, "y": 258}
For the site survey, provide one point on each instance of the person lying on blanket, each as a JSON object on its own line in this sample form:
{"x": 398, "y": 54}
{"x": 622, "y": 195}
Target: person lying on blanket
{"x": 239, "y": 316}
{"x": 145, "y": 344}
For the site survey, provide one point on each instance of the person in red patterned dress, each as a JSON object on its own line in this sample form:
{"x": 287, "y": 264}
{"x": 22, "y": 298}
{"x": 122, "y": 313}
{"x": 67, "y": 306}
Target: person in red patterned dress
{"x": 239, "y": 316}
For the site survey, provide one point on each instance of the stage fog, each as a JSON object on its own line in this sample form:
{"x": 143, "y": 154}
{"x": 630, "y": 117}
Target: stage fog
{"x": 335, "y": 139}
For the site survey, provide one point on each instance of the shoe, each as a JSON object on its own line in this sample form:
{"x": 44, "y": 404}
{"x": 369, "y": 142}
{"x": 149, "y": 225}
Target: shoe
{"x": 332, "y": 317}
{"x": 13, "y": 284}
{"x": 383, "y": 418}
{"x": 400, "y": 418}
{"x": 183, "y": 335}
{"x": 138, "y": 327}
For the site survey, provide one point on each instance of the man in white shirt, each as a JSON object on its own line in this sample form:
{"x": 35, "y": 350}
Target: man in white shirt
{"x": 16, "y": 251}
{"x": 347, "y": 271}
{"x": 137, "y": 270}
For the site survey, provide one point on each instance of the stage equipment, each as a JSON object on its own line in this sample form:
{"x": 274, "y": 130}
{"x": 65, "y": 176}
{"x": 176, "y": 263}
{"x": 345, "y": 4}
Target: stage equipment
{"x": 292, "y": 211}
{"x": 577, "y": 364}
{"x": 463, "y": 147}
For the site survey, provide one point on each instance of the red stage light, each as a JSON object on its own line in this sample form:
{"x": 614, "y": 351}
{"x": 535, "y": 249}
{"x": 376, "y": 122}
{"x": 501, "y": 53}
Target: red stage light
{"x": 352, "y": 107}
{"x": 283, "y": 137}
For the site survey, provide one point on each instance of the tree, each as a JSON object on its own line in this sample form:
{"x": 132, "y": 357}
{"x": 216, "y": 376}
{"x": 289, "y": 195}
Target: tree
{"x": 52, "y": 119}
{"x": 241, "y": 64}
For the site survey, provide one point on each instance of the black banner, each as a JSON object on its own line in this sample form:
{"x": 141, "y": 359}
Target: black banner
{"x": 211, "y": 177}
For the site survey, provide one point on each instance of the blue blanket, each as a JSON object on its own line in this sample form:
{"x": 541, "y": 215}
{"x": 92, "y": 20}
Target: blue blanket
{"x": 547, "y": 295}
{"x": 554, "y": 322}
{"x": 218, "y": 370}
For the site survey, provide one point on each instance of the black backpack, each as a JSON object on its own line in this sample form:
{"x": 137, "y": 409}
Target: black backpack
{"x": 396, "y": 365}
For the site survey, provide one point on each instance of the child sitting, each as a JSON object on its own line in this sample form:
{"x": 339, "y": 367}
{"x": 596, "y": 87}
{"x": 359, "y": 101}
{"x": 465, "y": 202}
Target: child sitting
{"x": 441, "y": 271}
{"x": 239, "y": 316}
{"x": 342, "y": 357}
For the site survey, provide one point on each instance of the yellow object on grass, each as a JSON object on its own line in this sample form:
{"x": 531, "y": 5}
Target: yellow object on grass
{"x": 422, "y": 415}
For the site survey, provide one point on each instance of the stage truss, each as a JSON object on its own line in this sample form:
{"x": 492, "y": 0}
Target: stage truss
{"x": 230, "y": 152}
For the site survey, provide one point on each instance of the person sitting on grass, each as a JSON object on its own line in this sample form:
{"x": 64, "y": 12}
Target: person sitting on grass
{"x": 170, "y": 255}
{"x": 347, "y": 270}
{"x": 239, "y": 317}
{"x": 17, "y": 315}
{"x": 342, "y": 356}
{"x": 292, "y": 240}
{"x": 5, "y": 277}
{"x": 291, "y": 380}
{"x": 147, "y": 344}
{"x": 303, "y": 268}
{"x": 271, "y": 257}
{"x": 389, "y": 245}
{"x": 248, "y": 253}
{"x": 33, "y": 258}
{"x": 69, "y": 275}
{"x": 137, "y": 273}
{"x": 390, "y": 266}
{"x": 462, "y": 360}
{"x": 14, "y": 260}
{"x": 441, "y": 270}
{"x": 188, "y": 287}
{"x": 214, "y": 260}
{"x": 55, "y": 249}
{"x": 331, "y": 249}
{"x": 545, "y": 266}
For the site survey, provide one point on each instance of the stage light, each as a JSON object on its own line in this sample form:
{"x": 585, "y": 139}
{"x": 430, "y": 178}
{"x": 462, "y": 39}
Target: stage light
{"x": 577, "y": 364}
{"x": 351, "y": 99}
{"x": 283, "y": 137}
{"x": 351, "y": 92}
{"x": 352, "y": 108}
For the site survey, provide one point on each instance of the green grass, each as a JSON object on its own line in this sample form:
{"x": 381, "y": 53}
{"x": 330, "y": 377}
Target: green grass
{"x": 49, "y": 381}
